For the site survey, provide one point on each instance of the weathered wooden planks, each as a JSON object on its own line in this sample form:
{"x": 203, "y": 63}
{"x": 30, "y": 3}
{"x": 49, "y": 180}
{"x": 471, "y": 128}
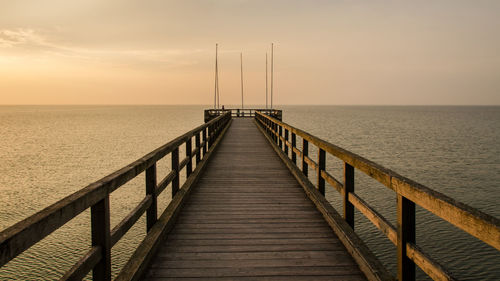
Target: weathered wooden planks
{"x": 249, "y": 219}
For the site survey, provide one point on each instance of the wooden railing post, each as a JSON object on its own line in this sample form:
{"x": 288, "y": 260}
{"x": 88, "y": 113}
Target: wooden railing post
{"x": 204, "y": 137}
{"x": 348, "y": 187}
{"x": 275, "y": 132}
{"x": 321, "y": 167}
{"x": 175, "y": 167}
{"x": 305, "y": 153}
{"x": 198, "y": 148}
{"x": 294, "y": 144}
{"x": 99, "y": 214}
{"x": 280, "y": 132}
{"x": 189, "y": 165}
{"x": 209, "y": 132}
{"x": 406, "y": 233}
{"x": 286, "y": 141}
{"x": 151, "y": 214}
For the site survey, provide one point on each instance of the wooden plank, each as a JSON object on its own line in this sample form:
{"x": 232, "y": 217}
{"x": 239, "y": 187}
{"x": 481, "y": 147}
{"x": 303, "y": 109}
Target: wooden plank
{"x": 122, "y": 227}
{"x": 270, "y": 241}
{"x": 272, "y": 225}
{"x": 250, "y": 229}
{"x": 252, "y": 248}
{"x": 378, "y": 220}
{"x": 266, "y": 278}
{"x": 249, "y": 220}
{"x": 201, "y": 215}
{"x": 214, "y": 236}
{"x": 427, "y": 264}
{"x": 252, "y": 271}
{"x": 287, "y": 255}
{"x": 83, "y": 266}
{"x": 342, "y": 260}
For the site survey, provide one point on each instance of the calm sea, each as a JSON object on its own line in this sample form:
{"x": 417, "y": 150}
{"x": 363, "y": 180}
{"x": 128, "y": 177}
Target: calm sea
{"x": 48, "y": 152}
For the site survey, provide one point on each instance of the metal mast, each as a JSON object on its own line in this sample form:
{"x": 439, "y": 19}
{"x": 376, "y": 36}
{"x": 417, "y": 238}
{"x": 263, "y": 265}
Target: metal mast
{"x": 216, "y": 90}
{"x": 241, "y": 63}
{"x": 266, "y": 80}
{"x": 272, "y": 72}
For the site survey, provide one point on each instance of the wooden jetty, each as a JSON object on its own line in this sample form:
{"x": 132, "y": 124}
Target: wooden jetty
{"x": 248, "y": 211}
{"x": 248, "y": 217}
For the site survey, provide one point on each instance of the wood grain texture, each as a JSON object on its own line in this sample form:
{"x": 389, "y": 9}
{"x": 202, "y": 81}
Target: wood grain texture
{"x": 249, "y": 219}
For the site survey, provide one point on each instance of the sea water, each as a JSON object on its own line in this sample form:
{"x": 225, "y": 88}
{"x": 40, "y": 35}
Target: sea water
{"x": 49, "y": 152}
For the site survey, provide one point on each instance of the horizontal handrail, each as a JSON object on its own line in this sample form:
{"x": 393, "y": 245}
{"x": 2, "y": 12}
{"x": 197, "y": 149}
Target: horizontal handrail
{"x": 24, "y": 234}
{"x": 476, "y": 223}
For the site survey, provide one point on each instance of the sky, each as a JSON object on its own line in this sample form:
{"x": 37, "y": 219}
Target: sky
{"x": 340, "y": 52}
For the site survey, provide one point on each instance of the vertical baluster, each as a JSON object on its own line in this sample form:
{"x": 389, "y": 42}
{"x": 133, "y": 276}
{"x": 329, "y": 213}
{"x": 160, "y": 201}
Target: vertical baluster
{"x": 294, "y": 144}
{"x": 209, "y": 129}
{"x": 270, "y": 128}
{"x": 280, "y": 132}
{"x": 204, "y": 142}
{"x": 348, "y": 187}
{"x": 198, "y": 148}
{"x": 175, "y": 167}
{"x": 275, "y": 132}
{"x": 305, "y": 153}
{"x": 151, "y": 214}
{"x": 321, "y": 167}
{"x": 286, "y": 142}
{"x": 99, "y": 220}
{"x": 406, "y": 233}
{"x": 189, "y": 165}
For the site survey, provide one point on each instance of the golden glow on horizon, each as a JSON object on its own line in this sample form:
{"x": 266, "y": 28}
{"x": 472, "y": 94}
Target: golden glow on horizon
{"x": 327, "y": 52}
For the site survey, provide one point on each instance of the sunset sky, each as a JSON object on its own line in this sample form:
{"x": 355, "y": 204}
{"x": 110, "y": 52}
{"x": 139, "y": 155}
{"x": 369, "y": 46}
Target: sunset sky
{"x": 326, "y": 52}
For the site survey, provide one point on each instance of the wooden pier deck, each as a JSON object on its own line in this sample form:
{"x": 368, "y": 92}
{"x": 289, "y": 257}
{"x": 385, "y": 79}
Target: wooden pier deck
{"x": 248, "y": 219}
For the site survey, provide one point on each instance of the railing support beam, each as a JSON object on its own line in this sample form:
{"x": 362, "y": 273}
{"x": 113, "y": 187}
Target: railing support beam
{"x": 348, "y": 187}
{"x": 406, "y": 234}
{"x": 175, "y": 167}
{"x": 286, "y": 141}
{"x": 198, "y": 148}
{"x": 101, "y": 238}
{"x": 280, "y": 133}
{"x": 189, "y": 165}
{"x": 305, "y": 153}
{"x": 151, "y": 214}
{"x": 321, "y": 167}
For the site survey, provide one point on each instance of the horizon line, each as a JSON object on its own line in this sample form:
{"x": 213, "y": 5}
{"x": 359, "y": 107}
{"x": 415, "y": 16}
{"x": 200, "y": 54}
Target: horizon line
{"x": 231, "y": 105}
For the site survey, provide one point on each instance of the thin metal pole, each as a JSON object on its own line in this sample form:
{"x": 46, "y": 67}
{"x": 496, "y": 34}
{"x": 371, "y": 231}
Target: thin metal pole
{"x": 266, "y": 80}
{"x": 272, "y": 72}
{"x": 218, "y": 95}
{"x": 216, "y": 82}
{"x": 241, "y": 63}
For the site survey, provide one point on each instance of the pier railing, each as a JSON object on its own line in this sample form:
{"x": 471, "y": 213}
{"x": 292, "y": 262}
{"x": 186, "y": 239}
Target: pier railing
{"x": 238, "y": 112}
{"x": 21, "y": 236}
{"x": 474, "y": 222}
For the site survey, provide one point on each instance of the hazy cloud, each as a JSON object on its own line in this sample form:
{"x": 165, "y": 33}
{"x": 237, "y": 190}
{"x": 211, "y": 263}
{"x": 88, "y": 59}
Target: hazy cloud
{"x": 30, "y": 42}
{"x": 22, "y": 36}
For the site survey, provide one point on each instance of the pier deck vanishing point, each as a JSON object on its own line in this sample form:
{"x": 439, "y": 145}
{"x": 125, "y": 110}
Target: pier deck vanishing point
{"x": 248, "y": 219}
